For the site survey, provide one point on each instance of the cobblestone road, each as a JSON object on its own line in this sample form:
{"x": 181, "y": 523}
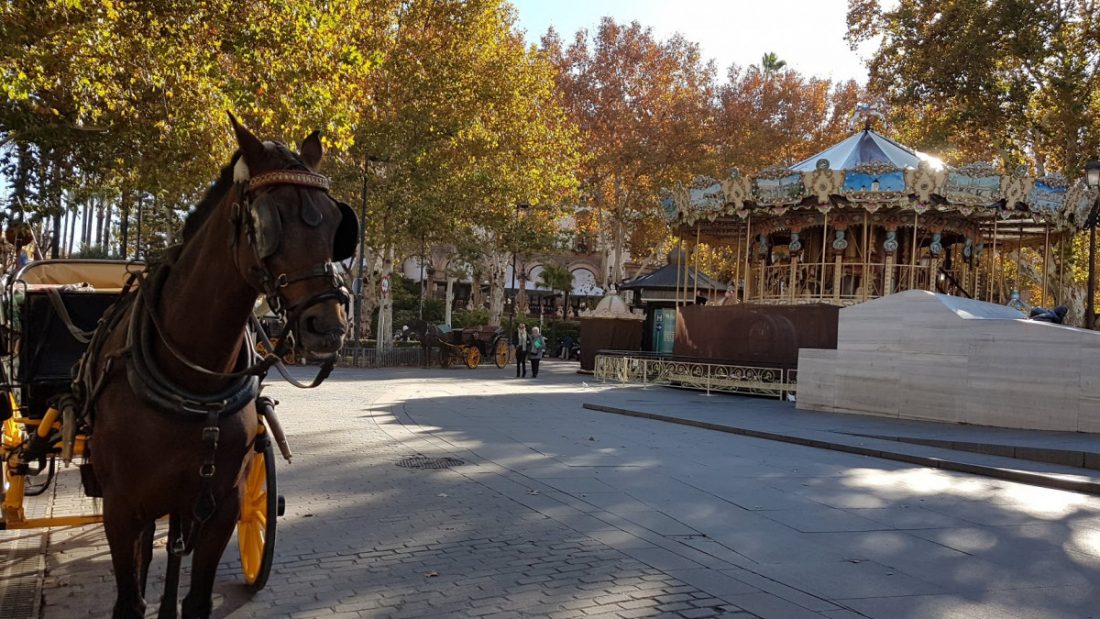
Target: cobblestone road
{"x": 559, "y": 512}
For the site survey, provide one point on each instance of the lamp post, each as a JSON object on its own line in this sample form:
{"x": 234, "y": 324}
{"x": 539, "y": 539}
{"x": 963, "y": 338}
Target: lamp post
{"x": 357, "y": 285}
{"x": 515, "y": 250}
{"x": 1092, "y": 179}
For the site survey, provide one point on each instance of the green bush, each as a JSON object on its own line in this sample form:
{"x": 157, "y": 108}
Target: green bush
{"x": 558, "y": 329}
{"x": 461, "y": 319}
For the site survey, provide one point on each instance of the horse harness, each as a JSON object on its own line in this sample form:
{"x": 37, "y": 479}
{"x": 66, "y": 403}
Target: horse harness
{"x": 262, "y": 228}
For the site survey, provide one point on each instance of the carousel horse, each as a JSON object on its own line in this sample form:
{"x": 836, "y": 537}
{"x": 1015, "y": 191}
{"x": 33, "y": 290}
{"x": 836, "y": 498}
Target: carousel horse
{"x": 169, "y": 382}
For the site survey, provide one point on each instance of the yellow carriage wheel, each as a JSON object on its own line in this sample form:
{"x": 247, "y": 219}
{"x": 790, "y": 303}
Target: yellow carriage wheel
{"x": 502, "y": 352}
{"x": 11, "y": 437}
{"x": 256, "y": 527}
{"x": 473, "y": 357}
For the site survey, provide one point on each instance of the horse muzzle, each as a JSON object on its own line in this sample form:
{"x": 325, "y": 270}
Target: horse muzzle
{"x": 321, "y": 328}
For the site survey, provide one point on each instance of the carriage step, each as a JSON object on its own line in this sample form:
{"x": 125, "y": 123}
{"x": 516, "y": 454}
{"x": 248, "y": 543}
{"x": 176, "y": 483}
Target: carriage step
{"x": 281, "y": 509}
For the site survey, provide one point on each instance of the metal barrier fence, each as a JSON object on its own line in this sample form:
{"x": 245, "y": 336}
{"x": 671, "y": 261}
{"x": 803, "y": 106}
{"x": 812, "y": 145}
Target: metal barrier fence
{"x": 389, "y": 357}
{"x": 638, "y": 368}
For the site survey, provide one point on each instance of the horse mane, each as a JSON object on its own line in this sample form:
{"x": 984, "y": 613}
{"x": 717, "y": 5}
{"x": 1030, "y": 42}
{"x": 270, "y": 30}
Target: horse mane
{"x": 216, "y": 193}
{"x": 213, "y": 197}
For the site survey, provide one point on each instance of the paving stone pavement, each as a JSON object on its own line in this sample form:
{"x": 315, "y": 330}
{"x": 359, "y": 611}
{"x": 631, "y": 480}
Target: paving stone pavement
{"x": 559, "y": 512}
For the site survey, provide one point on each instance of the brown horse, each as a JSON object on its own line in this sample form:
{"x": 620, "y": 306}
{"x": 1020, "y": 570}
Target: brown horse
{"x": 429, "y": 336}
{"x": 173, "y": 414}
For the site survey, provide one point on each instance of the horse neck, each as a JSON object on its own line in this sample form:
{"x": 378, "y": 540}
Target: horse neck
{"x": 204, "y": 304}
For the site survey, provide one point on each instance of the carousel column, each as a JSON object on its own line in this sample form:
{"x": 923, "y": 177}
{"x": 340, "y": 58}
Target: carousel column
{"x": 967, "y": 252}
{"x": 840, "y": 243}
{"x": 747, "y": 275}
{"x": 980, "y": 282}
{"x": 795, "y": 246}
{"x": 764, "y": 249}
{"x": 936, "y": 249}
{"x": 890, "y": 247}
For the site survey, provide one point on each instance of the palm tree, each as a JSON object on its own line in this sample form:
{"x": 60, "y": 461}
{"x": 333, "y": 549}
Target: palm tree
{"x": 771, "y": 63}
{"x": 557, "y": 277}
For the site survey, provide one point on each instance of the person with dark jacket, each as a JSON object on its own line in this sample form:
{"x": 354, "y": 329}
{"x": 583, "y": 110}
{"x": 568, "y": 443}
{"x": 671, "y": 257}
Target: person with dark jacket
{"x": 538, "y": 349}
{"x": 522, "y": 343}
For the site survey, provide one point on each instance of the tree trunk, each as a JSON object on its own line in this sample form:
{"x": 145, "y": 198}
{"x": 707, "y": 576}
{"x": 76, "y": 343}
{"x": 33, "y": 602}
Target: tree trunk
{"x": 450, "y": 299}
{"x": 498, "y": 266}
{"x": 101, "y": 215}
{"x": 124, "y": 225}
{"x": 477, "y": 298}
{"x": 384, "y": 336}
{"x": 72, "y": 231}
{"x": 86, "y": 223}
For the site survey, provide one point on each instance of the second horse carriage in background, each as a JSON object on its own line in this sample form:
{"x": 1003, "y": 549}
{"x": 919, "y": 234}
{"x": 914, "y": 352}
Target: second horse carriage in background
{"x": 466, "y": 346}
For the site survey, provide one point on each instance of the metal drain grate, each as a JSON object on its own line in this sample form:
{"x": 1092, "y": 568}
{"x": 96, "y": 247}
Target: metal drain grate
{"x": 427, "y": 462}
{"x": 21, "y": 568}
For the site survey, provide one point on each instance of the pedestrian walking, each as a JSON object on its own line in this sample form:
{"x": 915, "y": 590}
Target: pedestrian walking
{"x": 538, "y": 349}
{"x": 567, "y": 347}
{"x": 522, "y": 342}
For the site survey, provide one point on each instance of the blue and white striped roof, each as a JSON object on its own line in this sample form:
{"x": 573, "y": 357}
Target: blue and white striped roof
{"x": 864, "y": 147}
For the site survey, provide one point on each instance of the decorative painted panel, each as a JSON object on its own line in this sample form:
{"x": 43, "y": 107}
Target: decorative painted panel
{"x": 976, "y": 184}
{"x": 875, "y": 183}
{"x": 778, "y": 186}
{"x": 707, "y": 197}
{"x": 1048, "y": 193}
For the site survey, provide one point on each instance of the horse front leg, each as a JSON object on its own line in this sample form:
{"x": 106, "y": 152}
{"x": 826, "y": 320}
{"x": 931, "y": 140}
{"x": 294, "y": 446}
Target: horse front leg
{"x": 169, "y": 601}
{"x": 145, "y": 547}
{"x": 209, "y": 547}
{"x": 125, "y": 536}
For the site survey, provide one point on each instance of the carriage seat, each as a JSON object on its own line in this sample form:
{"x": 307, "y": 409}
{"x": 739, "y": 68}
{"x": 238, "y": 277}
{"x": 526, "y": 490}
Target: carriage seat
{"x": 46, "y": 349}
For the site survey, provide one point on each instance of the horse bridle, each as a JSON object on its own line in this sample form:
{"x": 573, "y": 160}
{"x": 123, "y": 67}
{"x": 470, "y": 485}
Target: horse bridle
{"x": 271, "y": 285}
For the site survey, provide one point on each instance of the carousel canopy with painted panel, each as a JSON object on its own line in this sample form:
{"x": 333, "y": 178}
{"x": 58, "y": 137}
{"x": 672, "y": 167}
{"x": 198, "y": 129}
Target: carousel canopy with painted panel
{"x": 869, "y": 171}
{"x": 869, "y": 216}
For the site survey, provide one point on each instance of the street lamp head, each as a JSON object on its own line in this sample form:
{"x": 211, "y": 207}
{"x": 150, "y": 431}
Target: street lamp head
{"x": 1092, "y": 174}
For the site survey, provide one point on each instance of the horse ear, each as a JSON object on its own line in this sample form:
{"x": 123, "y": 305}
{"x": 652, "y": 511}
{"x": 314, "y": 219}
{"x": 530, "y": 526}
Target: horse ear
{"x": 252, "y": 148}
{"x": 311, "y": 151}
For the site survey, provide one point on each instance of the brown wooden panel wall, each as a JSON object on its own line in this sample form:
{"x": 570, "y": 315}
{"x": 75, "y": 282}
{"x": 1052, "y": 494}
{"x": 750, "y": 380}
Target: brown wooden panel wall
{"x": 607, "y": 334}
{"x": 748, "y": 334}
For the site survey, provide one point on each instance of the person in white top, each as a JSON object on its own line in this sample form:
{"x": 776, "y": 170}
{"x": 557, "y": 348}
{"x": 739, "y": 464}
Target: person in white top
{"x": 522, "y": 343}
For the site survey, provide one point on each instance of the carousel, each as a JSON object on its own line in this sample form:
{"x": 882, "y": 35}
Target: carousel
{"x": 861, "y": 220}
{"x": 870, "y": 217}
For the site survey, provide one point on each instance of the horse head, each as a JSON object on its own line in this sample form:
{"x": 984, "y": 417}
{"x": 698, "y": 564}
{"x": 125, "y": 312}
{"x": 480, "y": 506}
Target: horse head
{"x": 289, "y": 234}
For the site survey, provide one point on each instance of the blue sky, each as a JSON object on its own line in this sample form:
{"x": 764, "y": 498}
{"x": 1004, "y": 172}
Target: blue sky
{"x": 808, "y": 34}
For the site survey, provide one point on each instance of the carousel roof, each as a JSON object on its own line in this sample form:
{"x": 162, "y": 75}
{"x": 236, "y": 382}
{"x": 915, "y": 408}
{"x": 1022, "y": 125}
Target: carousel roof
{"x": 868, "y": 171}
{"x": 863, "y": 148}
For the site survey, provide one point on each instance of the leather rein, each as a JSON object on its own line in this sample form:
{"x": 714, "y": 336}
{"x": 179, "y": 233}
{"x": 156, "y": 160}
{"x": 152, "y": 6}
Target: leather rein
{"x": 146, "y": 329}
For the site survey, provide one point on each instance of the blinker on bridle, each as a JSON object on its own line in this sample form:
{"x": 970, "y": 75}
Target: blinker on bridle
{"x": 264, "y": 235}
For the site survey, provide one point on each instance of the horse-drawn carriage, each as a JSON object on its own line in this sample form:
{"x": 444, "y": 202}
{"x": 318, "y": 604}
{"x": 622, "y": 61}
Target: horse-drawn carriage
{"x": 164, "y": 399}
{"x": 50, "y": 312}
{"x": 466, "y": 346}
